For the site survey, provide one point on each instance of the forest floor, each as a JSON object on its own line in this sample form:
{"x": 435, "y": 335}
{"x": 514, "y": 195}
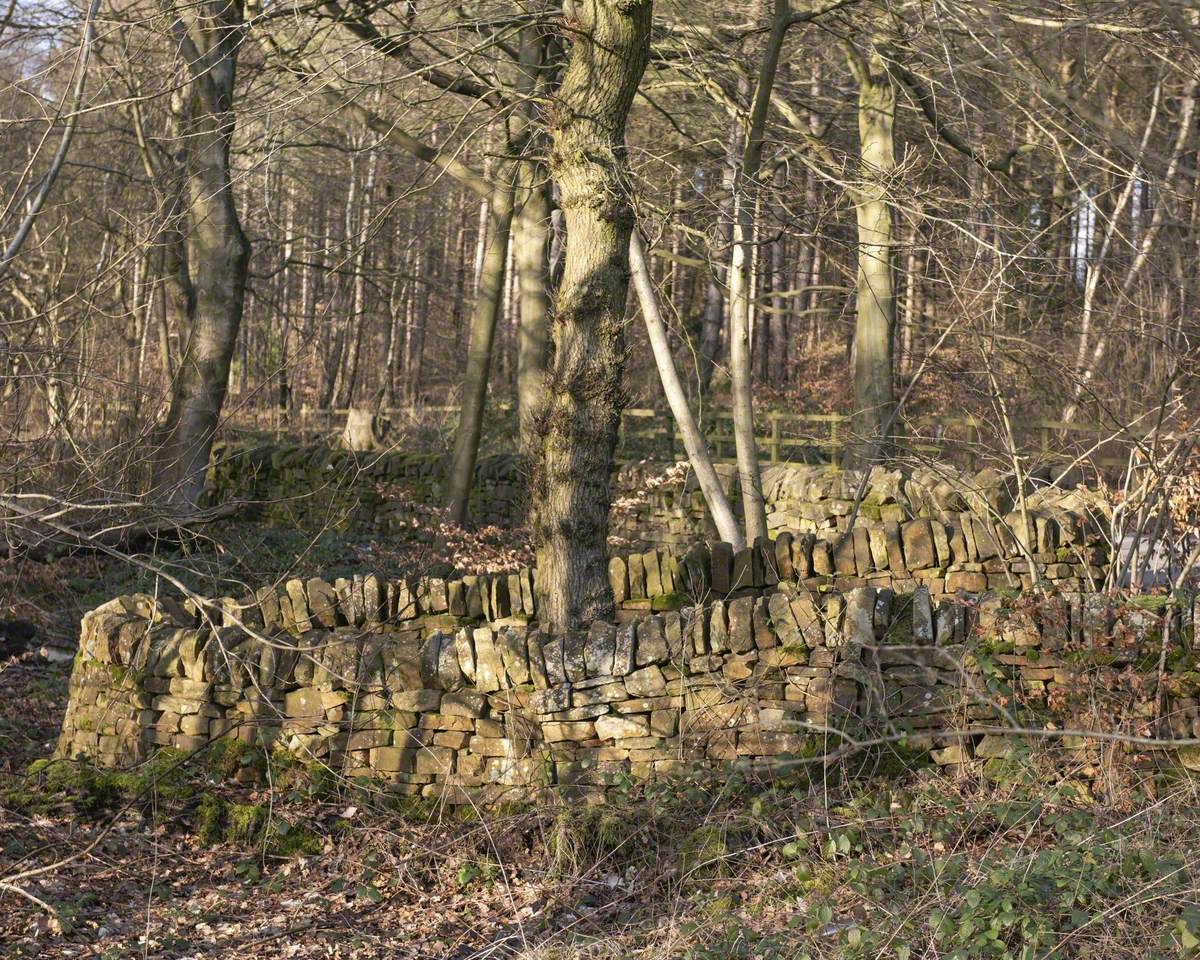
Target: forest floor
{"x": 878, "y": 858}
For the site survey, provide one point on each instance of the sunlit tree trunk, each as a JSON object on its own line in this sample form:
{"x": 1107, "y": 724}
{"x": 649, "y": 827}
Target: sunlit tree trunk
{"x": 609, "y": 46}
{"x": 741, "y": 389}
{"x": 209, "y": 36}
{"x": 875, "y": 288}
{"x": 488, "y": 301}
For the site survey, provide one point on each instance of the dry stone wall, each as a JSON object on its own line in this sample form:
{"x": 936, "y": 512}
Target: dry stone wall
{"x": 311, "y": 486}
{"x": 980, "y": 536}
{"x": 447, "y": 706}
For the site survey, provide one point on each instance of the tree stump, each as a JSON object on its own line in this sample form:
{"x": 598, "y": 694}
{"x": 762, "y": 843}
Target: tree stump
{"x": 362, "y": 431}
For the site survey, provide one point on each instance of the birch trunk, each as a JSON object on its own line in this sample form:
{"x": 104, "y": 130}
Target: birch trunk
{"x": 693, "y": 440}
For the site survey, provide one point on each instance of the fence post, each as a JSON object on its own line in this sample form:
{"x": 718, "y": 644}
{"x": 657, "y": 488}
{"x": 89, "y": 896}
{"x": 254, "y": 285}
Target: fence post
{"x": 775, "y": 457}
{"x": 835, "y": 447}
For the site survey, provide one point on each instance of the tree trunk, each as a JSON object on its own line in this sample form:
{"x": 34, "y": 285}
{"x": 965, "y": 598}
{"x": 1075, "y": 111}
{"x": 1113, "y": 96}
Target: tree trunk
{"x": 693, "y": 440}
{"x": 874, "y": 398}
{"x": 741, "y": 387}
{"x": 714, "y": 296}
{"x": 533, "y": 263}
{"x": 488, "y": 297}
{"x": 609, "y": 46}
{"x": 532, "y": 253}
{"x": 217, "y": 247}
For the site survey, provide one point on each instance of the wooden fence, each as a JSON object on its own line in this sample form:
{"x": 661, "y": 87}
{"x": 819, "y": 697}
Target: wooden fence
{"x": 782, "y": 436}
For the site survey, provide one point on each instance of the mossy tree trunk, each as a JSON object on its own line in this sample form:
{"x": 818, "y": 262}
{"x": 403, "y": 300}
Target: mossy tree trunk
{"x": 610, "y": 41}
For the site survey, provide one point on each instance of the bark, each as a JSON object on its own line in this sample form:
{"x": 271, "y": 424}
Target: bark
{"x": 358, "y": 297}
{"x": 532, "y": 251}
{"x": 217, "y": 248}
{"x": 874, "y": 398}
{"x": 533, "y": 271}
{"x": 693, "y": 439}
{"x": 488, "y": 297}
{"x": 741, "y": 388}
{"x": 714, "y": 295}
{"x": 609, "y": 46}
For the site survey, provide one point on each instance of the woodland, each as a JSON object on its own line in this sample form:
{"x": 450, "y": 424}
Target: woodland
{"x": 569, "y": 236}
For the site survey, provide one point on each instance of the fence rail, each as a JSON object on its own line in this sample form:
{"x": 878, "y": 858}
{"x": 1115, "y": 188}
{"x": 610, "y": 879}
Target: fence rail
{"x": 782, "y": 436}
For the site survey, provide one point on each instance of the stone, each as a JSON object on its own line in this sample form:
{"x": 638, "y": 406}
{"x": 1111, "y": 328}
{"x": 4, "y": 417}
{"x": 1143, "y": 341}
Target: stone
{"x": 552, "y": 699}
{"x": 694, "y": 575}
{"x": 646, "y": 682}
{"x": 463, "y": 703}
{"x": 741, "y": 625}
{"x": 322, "y": 602}
{"x": 963, "y": 581}
{"x": 439, "y": 601}
{"x": 637, "y": 577}
{"x": 488, "y": 667}
{"x": 574, "y": 659}
{"x": 783, "y": 555}
{"x": 624, "y": 644}
{"x": 919, "y": 551}
{"x": 537, "y": 664}
{"x": 952, "y": 755}
{"x": 600, "y": 649}
{"x": 608, "y": 692}
{"x": 783, "y": 621}
{"x": 474, "y": 597}
{"x": 862, "y": 551}
{"x": 941, "y": 543}
{"x": 577, "y": 731}
{"x": 844, "y": 561}
{"x": 743, "y": 574}
{"x": 299, "y": 605}
{"x": 613, "y": 727}
{"x": 268, "y": 604}
{"x": 618, "y": 579}
{"x": 301, "y": 704}
{"x": 402, "y": 600}
{"x": 653, "y": 572}
{"x": 922, "y": 616}
{"x": 993, "y": 746}
{"x": 822, "y": 559}
{"x": 501, "y": 601}
{"x": 765, "y": 572}
{"x": 802, "y": 556}
{"x": 895, "y": 550}
{"x": 651, "y": 642}
{"x": 416, "y": 701}
{"x": 374, "y": 597}
{"x": 552, "y": 655}
{"x": 449, "y": 674}
{"x": 858, "y": 623}
{"x": 513, "y": 654}
{"x": 718, "y": 629}
{"x": 464, "y": 648}
{"x": 721, "y": 565}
